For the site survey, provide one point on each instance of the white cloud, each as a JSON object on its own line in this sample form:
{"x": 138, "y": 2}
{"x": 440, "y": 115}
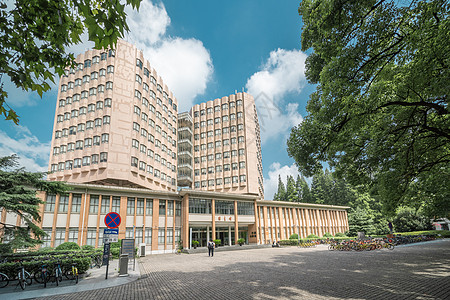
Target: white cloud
{"x": 284, "y": 72}
{"x": 33, "y": 154}
{"x": 275, "y": 170}
{"x": 184, "y": 64}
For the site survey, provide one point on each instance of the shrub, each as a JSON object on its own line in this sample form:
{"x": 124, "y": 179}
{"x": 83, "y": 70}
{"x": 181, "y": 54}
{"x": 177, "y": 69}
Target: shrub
{"x": 293, "y": 236}
{"x": 115, "y": 252}
{"x": 5, "y": 248}
{"x": 116, "y": 244}
{"x": 327, "y": 235}
{"x": 87, "y": 247}
{"x": 241, "y": 241}
{"x": 195, "y": 243}
{"x": 312, "y": 236}
{"x": 217, "y": 242}
{"x": 68, "y": 246}
{"x": 288, "y": 242}
{"x": 340, "y": 234}
{"x": 409, "y": 219}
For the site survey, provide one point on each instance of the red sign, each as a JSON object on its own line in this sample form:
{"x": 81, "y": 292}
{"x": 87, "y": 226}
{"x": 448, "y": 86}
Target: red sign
{"x": 112, "y": 220}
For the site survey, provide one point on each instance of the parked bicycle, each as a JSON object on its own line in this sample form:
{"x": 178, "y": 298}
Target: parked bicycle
{"x": 42, "y": 276}
{"x": 58, "y": 272}
{"x": 24, "y": 277}
{"x": 4, "y": 280}
{"x": 72, "y": 273}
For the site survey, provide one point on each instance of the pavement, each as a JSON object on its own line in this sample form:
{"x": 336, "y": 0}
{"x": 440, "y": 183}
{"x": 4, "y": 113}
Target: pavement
{"x": 416, "y": 271}
{"x": 94, "y": 279}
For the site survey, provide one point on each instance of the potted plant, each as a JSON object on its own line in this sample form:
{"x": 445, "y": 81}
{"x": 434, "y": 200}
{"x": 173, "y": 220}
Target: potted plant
{"x": 217, "y": 242}
{"x": 241, "y": 241}
{"x": 195, "y": 244}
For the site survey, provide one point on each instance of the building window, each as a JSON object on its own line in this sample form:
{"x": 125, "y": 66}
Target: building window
{"x": 245, "y": 208}
{"x": 134, "y": 161}
{"x": 161, "y": 236}
{"x": 169, "y": 235}
{"x": 115, "y": 207}
{"x": 224, "y": 207}
{"x": 63, "y": 203}
{"x": 104, "y": 209}
{"x": 199, "y": 206}
{"x": 148, "y": 236}
{"x": 103, "y": 156}
{"x": 130, "y": 207}
{"x": 91, "y": 235}
{"x": 242, "y": 178}
{"x": 73, "y": 235}
{"x": 50, "y": 203}
{"x": 76, "y": 203}
{"x": 129, "y": 233}
{"x": 138, "y": 236}
{"x": 60, "y": 236}
{"x": 162, "y": 207}
{"x": 139, "y": 206}
{"x": 47, "y": 237}
{"x": 105, "y": 138}
{"x": 170, "y": 208}
{"x": 93, "y": 205}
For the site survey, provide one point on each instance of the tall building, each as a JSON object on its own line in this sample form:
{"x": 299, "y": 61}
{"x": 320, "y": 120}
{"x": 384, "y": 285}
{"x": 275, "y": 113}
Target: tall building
{"x": 115, "y": 123}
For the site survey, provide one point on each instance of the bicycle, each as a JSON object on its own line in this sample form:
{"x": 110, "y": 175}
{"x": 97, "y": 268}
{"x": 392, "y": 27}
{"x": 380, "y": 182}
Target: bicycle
{"x": 42, "y": 277}
{"x": 58, "y": 272}
{"x": 24, "y": 277}
{"x": 72, "y": 273}
{"x": 4, "y": 280}
{"x": 96, "y": 261}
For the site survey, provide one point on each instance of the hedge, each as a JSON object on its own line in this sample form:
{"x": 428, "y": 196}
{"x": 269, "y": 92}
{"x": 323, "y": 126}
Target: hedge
{"x": 10, "y": 268}
{"x": 25, "y": 256}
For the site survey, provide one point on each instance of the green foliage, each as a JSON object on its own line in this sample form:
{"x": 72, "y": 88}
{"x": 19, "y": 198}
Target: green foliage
{"x": 87, "y": 247}
{"x": 359, "y": 220}
{"x": 340, "y": 234}
{"x": 380, "y": 115}
{"x": 37, "y": 34}
{"x": 195, "y": 243}
{"x": 217, "y": 242}
{"x": 327, "y": 235}
{"x": 116, "y": 244}
{"x": 304, "y": 194}
{"x": 280, "y": 195}
{"x": 70, "y": 246}
{"x": 442, "y": 233}
{"x": 293, "y": 236}
{"x": 409, "y": 219}
{"x": 291, "y": 190}
{"x": 18, "y": 196}
{"x": 312, "y": 236}
{"x": 5, "y": 248}
{"x": 241, "y": 241}
{"x": 115, "y": 252}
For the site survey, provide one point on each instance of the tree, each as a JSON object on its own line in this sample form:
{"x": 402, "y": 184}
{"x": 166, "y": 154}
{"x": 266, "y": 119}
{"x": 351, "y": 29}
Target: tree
{"x": 36, "y": 34}
{"x": 18, "y": 196}
{"x": 280, "y": 195}
{"x": 304, "y": 194}
{"x": 291, "y": 190}
{"x": 359, "y": 220}
{"x": 380, "y": 114}
{"x": 409, "y": 219}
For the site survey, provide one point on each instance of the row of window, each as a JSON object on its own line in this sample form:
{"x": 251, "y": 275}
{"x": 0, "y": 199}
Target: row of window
{"x": 218, "y": 181}
{"x": 91, "y": 107}
{"x": 79, "y": 162}
{"x": 88, "y": 62}
{"x": 216, "y": 144}
{"x": 217, "y": 120}
{"x": 150, "y": 153}
{"x": 84, "y": 94}
{"x": 218, "y": 169}
{"x": 130, "y": 232}
{"x": 217, "y": 108}
{"x": 72, "y": 130}
{"x": 152, "y": 93}
{"x": 157, "y": 142}
{"x": 145, "y": 102}
{"x": 78, "y": 145}
{"x": 83, "y": 110}
{"x": 203, "y": 206}
{"x": 218, "y": 156}
{"x": 218, "y": 132}
{"x": 143, "y": 166}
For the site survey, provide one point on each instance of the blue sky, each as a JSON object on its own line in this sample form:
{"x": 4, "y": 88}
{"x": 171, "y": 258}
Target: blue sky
{"x": 215, "y": 48}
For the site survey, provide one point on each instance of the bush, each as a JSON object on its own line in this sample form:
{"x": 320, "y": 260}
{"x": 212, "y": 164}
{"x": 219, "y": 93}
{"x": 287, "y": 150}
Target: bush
{"x": 195, "y": 243}
{"x": 293, "y": 236}
{"x": 217, "y": 242}
{"x": 116, "y": 244}
{"x": 409, "y": 219}
{"x": 327, "y": 235}
{"x": 115, "y": 252}
{"x": 5, "y": 248}
{"x": 68, "y": 246}
{"x": 87, "y": 247}
{"x": 241, "y": 241}
{"x": 290, "y": 242}
{"x": 312, "y": 236}
{"x": 340, "y": 234}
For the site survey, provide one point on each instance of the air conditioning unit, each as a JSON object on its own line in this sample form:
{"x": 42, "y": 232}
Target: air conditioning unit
{"x": 142, "y": 249}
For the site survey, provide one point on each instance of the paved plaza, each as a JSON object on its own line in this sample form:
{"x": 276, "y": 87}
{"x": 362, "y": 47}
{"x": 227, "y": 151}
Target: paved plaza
{"x": 417, "y": 271}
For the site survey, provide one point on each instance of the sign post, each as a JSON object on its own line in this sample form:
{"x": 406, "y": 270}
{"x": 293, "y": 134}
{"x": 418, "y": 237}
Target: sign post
{"x": 112, "y": 221}
{"x": 128, "y": 248}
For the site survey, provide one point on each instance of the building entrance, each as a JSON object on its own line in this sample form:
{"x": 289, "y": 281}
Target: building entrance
{"x": 200, "y": 234}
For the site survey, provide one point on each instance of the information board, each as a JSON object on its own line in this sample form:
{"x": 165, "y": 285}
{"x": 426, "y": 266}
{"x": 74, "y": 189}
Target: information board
{"x": 106, "y": 249}
{"x": 110, "y": 235}
{"x": 128, "y": 248}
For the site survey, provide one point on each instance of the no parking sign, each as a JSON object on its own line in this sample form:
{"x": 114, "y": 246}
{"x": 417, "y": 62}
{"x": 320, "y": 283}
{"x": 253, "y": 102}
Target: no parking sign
{"x": 112, "y": 220}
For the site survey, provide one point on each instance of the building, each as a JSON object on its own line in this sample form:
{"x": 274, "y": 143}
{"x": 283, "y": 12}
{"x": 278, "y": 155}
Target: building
{"x": 121, "y": 145}
{"x": 161, "y": 219}
{"x": 115, "y": 123}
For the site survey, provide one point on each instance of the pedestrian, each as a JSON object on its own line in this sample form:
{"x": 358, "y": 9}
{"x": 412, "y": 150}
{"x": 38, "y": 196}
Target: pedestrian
{"x": 390, "y": 227}
{"x": 211, "y": 246}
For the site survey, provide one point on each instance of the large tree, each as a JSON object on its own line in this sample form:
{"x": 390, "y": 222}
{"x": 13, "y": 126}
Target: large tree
{"x": 380, "y": 113}
{"x": 280, "y": 195}
{"x": 18, "y": 197}
{"x": 36, "y": 34}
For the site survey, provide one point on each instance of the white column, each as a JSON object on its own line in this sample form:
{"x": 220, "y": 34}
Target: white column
{"x": 190, "y": 238}
{"x": 229, "y": 235}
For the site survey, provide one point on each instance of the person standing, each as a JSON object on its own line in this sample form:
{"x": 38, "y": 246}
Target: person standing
{"x": 211, "y": 246}
{"x": 390, "y": 227}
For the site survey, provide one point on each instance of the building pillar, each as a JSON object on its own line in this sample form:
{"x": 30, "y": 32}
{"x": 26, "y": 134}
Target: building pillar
{"x": 346, "y": 220}
{"x": 329, "y": 225}
{"x": 165, "y": 224}
{"x": 307, "y": 221}
{"x": 100, "y": 199}
{"x": 266, "y": 224}
{"x": 55, "y": 217}
{"x": 185, "y": 222}
{"x": 69, "y": 211}
{"x": 213, "y": 217}
{"x": 236, "y": 224}
{"x": 280, "y": 220}
{"x": 155, "y": 224}
{"x": 255, "y": 208}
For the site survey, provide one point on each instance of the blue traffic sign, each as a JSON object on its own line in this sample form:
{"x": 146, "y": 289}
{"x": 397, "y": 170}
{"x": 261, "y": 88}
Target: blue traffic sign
{"x": 112, "y": 220}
